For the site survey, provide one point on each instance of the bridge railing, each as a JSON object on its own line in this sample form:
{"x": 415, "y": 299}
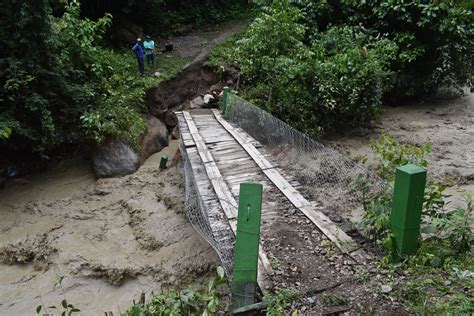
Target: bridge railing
{"x": 336, "y": 181}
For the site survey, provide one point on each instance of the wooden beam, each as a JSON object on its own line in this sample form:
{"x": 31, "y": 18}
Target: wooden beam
{"x": 329, "y": 228}
{"x": 226, "y": 199}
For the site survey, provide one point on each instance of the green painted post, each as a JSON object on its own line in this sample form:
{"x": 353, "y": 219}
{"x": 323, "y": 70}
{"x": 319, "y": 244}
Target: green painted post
{"x": 408, "y": 197}
{"x": 226, "y": 99}
{"x": 244, "y": 280}
{"x": 163, "y": 162}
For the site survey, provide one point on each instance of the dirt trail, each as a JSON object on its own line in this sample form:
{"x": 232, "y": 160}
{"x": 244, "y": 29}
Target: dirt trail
{"x": 111, "y": 239}
{"x": 448, "y": 124}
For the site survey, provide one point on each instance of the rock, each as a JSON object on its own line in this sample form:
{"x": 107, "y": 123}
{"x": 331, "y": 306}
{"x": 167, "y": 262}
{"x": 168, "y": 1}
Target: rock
{"x": 386, "y": 288}
{"x": 154, "y": 139}
{"x": 170, "y": 119}
{"x": 175, "y": 133}
{"x": 215, "y": 87}
{"x": 335, "y": 217}
{"x": 311, "y": 300}
{"x": 155, "y": 102}
{"x": 157, "y": 73}
{"x": 197, "y": 102}
{"x": 208, "y": 98}
{"x": 114, "y": 158}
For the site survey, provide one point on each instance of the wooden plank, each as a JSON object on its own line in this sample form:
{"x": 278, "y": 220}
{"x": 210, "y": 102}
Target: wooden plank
{"x": 226, "y": 200}
{"x": 286, "y": 188}
{"x": 331, "y": 230}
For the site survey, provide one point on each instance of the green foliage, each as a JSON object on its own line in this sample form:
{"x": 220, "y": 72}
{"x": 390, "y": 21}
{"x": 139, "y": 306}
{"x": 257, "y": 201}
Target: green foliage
{"x": 333, "y": 299}
{"x": 437, "y": 278}
{"x": 434, "y": 37}
{"x": 334, "y": 80}
{"x": 393, "y": 155}
{"x": 278, "y": 302}
{"x": 68, "y": 87}
{"x": 189, "y": 301}
{"x": 166, "y": 15}
{"x": 65, "y": 308}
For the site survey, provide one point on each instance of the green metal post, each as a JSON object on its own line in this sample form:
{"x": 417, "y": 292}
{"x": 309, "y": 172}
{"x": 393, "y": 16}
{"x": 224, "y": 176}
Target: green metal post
{"x": 408, "y": 197}
{"x": 244, "y": 280}
{"x": 226, "y": 99}
{"x": 163, "y": 162}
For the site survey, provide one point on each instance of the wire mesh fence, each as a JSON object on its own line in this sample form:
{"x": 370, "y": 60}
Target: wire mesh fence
{"x": 337, "y": 182}
{"x": 326, "y": 176}
{"x": 211, "y": 225}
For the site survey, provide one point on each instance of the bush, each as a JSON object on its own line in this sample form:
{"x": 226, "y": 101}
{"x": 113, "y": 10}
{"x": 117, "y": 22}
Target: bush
{"x": 434, "y": 38}
{"x": 333, "y": 81}
{"x": 202, "y": 301}
{"x": 67, "y": 87}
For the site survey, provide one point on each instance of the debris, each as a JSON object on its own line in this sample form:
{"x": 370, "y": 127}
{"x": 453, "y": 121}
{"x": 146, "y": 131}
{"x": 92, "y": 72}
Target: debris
{"x": 386, "y": 288}
{"x": 208, "y": 98}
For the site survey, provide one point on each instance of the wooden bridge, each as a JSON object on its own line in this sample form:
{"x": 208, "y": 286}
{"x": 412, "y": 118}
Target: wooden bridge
{"x": 222, "y": 156}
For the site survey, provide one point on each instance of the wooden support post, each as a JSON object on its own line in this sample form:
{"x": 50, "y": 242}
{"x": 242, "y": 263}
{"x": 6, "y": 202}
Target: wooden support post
{"x": 226, "y": 100}
{"x": 163, "y": 162}
{"x": 408, "y": 196}
{"x": 244, "y": 279}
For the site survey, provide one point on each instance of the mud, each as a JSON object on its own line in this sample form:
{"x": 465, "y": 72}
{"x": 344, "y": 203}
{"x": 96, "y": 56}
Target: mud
{"x": 447, "y": 123}
{"x": 194, "y": 79}
{"x": 111, "y": 239}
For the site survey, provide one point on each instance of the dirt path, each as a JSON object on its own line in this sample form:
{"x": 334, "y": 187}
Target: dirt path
{"x": 447, "y": 124}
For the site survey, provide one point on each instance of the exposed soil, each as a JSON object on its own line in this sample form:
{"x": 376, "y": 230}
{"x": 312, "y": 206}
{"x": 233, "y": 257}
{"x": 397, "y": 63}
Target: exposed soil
{"x": 111, "y": 238}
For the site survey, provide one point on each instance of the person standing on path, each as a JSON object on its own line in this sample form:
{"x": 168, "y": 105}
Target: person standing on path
{"x": 137, "y": 49}
{"x": 150, "y": 51}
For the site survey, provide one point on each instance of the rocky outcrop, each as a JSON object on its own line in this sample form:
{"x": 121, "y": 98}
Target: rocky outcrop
{"x": 114, "y": 158}
{"x": 154, "y": 139}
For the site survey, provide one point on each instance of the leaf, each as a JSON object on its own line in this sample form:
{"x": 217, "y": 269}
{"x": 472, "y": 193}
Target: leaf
{"x": 74, "y": 310}
{"x": 429, "y": 229}
{"x": 64, "y": 303}
{"x": 38, "y": 309}
{"x": 220, "y": 272}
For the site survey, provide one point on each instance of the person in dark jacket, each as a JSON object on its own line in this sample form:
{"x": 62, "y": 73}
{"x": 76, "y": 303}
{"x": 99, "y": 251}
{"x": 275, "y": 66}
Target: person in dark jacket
{"x": 138, "y": 50}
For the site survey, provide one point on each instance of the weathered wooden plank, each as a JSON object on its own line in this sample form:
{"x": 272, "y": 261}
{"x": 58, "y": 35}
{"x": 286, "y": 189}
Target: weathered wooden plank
{"x": 226, "y": 200}
{"x": 295, "y": 198}
{"x": 331, "y": 230}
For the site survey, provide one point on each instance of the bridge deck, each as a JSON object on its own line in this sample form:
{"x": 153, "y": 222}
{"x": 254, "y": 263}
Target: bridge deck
{"x": 222, "y": 156}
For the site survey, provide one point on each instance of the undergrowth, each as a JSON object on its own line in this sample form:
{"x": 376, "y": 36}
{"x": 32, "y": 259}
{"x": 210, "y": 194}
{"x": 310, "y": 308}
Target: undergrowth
{"x": 279, "y": 302}
{"x": 439, "y": 277}
{"x": 190, "y": 301}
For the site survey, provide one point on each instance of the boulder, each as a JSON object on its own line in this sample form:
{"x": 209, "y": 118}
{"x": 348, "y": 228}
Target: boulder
{"x": 155, "y": 101}
{"x": 197, "y": 102}
{"x": 154, "y": 139}
{"x": 114, "y": 158}
{"x": 175, "y": 133}
{"x": 208, "y": 98}
{"x": 170, "y": 119}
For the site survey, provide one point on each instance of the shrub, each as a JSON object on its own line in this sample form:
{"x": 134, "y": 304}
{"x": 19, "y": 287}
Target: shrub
{"x": 67, "y": 87}
{"x": 434, "y": 38}
{"x": 189, "y": 301}
{"x": 335, "y": 80}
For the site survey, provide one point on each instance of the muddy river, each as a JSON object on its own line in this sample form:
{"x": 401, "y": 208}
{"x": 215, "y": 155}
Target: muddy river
{"x": 111, "y": 239}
